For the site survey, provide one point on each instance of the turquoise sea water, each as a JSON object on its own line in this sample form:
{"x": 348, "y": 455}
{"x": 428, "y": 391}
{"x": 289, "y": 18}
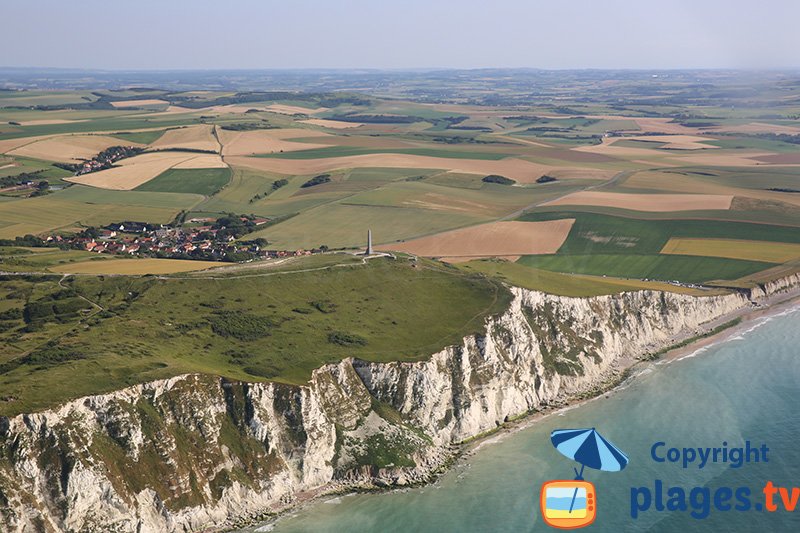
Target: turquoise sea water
{"x": 745, "y": 388}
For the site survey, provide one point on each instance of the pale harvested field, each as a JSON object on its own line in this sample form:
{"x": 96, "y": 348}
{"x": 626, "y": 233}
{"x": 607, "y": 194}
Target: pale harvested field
{"x": 675, "y": 142}
{"x": 293, "y": 109}
{"x": 259, "y": 142}
{"x": 297, "y": 133}
{"x": 175, "y": 109}
{"x": 517, "y": 169}
{"x": 333, "y": 124}
{"x": 647, "y": 202}
{"x": 67, "y": 148}
{"x": 736, "y": 159}
{"x": 463, "y": 259}
{"x": 203, "y": 161}
{"x": 48, "y": 122}
{"x": 582, "y": 173}
{"x": 645, "y": 124}
{"x": 679, "y": 183}
{"x": 134, "y": 171}
{"x": 506, "y": 137}
{"x": 496, "y": 239}
{"x": 137, "y": 103}
{"x": 135, "y": 266}
{"x": 199, "y": 137}
{"x": 756, "y": 127}
{"x": 8, "y": 145}
{"x": 171, "y": 110}
{"x": 609, "y": 148}
{"x": 770, "y": 252}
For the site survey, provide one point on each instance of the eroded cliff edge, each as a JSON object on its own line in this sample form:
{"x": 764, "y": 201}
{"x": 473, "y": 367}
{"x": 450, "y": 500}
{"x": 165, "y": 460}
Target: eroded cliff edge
{"x": 196, "y": 452}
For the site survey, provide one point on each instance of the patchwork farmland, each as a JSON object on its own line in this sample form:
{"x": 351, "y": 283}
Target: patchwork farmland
{"x": 504, "y": 189}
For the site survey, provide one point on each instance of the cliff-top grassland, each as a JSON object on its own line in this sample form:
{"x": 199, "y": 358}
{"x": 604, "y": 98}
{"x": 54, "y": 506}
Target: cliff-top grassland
{"x": 77, "y": 336}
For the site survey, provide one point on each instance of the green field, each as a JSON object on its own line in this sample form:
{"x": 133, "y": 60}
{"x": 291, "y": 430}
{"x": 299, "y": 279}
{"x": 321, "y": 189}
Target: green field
{"x": 630, "y": 248}
{"x": 205, "y": 181}
{"x": 490, "y": 201}
{"x": 746, "y": 177}
{"x": 277, "y": 327}
{"x": 79, "y": 205}
{"x": 142, "y": 137}
{"x": 688, "y": 269}
{"x": 116, "y": 123}
{"x": 606, "y": 234}
{"x": 337, "y": 225}
{"x": 754, "y": 143}
{"x": 43, "y": 169}
{"x": 247, "y": 183}
{"x": 520, "y": 275}
{"x": 15, "y": 259}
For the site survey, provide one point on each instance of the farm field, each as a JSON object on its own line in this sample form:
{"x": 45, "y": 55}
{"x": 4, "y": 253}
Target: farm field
{"x": 571, "y": 284}
{"x": 646, "y": 202}
{"x": 608, "y": 234}
{"x": 490, "y": 200}
{"x": 134, "y": 266}
{"x": 522, "y": 171}
{"x": 264, "y": 141}
{"x": 189, "y": 138}
{"x": 637, "y": 179}
{"x": 496, "y": 239}
{"x": 343, "y": 151}
{"x": 17, "y": 259}
{"x": 65, "y": 149}
{"x": 770, "y": 252}
{"x": 137, "y": 170}
{"x": 345, "y": 226}
{"x": 204, "y": 181}
{"x": 41, "y": 215}
{"x": 688, "y": 269}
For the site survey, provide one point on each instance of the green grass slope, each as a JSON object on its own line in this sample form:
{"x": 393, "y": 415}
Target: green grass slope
{"x": 279, "y": 326}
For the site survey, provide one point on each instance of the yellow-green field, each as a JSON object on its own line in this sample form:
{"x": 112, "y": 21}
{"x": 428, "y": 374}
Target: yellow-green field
{"x": 135, "y": 266}
{"x": 770, "y": 252}
{"x": 571, "y": 284}
{"x": 50, "y": 213}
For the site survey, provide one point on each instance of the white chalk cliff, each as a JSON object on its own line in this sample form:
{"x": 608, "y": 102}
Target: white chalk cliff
{"x": 197, "y": 452}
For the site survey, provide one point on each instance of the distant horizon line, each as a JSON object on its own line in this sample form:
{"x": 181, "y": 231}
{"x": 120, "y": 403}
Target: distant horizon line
{"x": 399, "y": 69}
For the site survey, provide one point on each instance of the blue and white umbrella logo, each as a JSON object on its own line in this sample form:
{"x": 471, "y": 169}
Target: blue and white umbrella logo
{"x": 589, "y": 448}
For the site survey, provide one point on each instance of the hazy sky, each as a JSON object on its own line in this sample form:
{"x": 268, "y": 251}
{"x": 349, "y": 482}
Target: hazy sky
{"x": 205, "y": 34}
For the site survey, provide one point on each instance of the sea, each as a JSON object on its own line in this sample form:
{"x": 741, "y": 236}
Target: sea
{"x": 745, "y": 387}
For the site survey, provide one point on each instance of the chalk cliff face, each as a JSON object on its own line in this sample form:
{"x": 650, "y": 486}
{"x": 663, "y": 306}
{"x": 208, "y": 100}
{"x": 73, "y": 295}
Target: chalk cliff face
{"x": 196, "y": 452}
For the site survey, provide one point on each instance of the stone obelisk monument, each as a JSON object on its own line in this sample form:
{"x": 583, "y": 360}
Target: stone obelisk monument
{"x": 369, "y": 242}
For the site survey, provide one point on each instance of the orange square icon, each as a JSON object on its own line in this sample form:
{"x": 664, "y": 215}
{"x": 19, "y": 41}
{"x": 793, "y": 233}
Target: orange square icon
{"x": 568, "y": 504}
